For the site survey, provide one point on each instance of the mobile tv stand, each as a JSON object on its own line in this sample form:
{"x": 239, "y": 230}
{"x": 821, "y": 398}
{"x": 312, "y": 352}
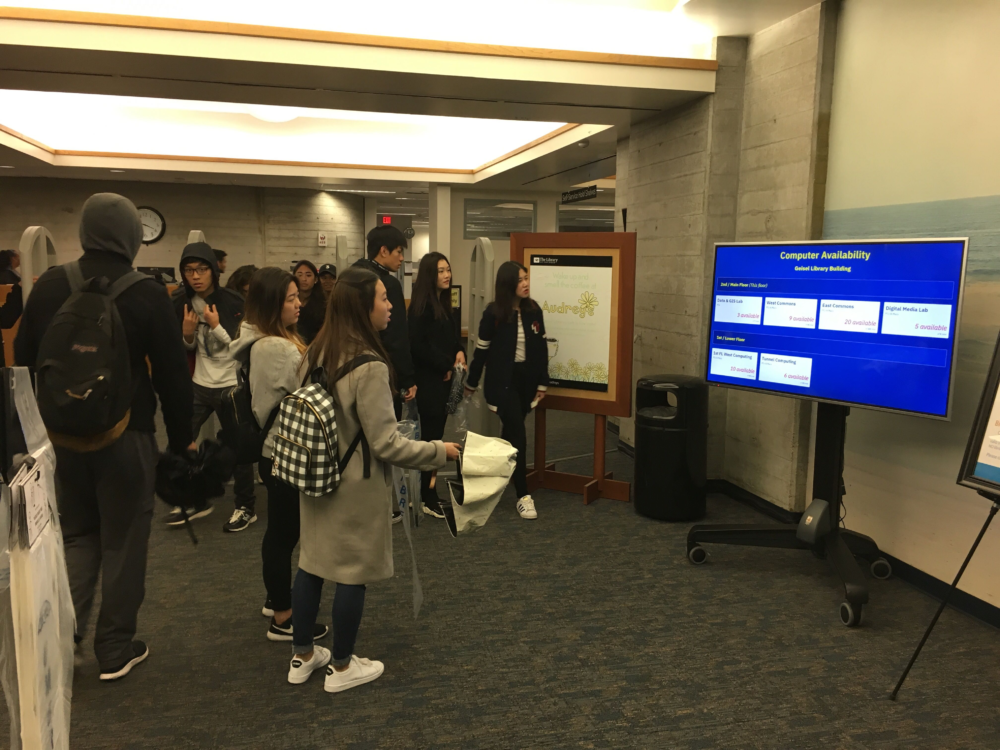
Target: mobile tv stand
{"x": 838, "y": 545}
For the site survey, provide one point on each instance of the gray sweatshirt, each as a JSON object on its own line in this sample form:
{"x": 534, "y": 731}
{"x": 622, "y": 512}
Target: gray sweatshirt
{"x": 274, "y": 372}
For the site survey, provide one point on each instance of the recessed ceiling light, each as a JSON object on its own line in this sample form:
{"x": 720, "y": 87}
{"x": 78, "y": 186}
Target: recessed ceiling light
{"x": 373, "y": 192}
{"x": 5, "y": 166}
{"x": 117, "y": 171}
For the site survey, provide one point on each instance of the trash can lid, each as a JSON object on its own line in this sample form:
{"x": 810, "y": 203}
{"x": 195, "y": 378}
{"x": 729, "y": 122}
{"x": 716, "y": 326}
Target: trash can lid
{"x": 670, "y": 381}
{"x": 654, "y": 414}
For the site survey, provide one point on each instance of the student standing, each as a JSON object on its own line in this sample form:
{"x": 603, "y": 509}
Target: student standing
{"x": 327, "y": 278}
{"x": 270, "y": 347}
{"x": 347, "y": 536}
{"x": 312, "y": 299}
{"x": 210, "y": 317}
{"x": 220, "y": 260}
{"x": 105, "y": 494}
{"x": 511, "y": 345}
{"x": 437, "y": 350}
{"x": 385, "y": 255}
{"x": 239, "y": 280}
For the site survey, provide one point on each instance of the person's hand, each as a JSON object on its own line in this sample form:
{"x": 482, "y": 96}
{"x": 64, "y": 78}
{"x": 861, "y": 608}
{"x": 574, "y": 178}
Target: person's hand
{"x": 539, "y": 395}
{"x": 410, "y": 394}
{"x": 459, "y": 359}
{"x": 212, "y": 316}
{"x": 453, "y": 451}
{"x": 447, "y": 376}
{"x": 190, "y": 324}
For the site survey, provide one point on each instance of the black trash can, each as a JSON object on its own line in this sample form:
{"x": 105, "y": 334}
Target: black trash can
{"x": 671, "y": 437}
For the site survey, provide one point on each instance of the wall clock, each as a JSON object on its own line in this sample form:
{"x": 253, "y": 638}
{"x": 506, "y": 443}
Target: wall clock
{"x": 154, "y": 226}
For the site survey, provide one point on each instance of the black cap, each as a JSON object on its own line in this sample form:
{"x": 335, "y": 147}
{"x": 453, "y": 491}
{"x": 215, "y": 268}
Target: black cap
{"x": 328, "y": 268}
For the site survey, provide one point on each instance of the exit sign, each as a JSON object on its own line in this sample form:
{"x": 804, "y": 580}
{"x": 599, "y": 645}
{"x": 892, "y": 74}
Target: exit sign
{"x": 387, "y": 220}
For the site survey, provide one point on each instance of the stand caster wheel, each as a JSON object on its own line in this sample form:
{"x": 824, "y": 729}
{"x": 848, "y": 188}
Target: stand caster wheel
{"x": 850, "y": 615}
{"x": 881, "y": 569}
{"x": 697, "y": 555}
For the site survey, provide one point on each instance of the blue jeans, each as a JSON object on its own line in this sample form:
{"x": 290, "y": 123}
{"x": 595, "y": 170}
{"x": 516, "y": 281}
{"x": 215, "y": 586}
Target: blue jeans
{"x": 348, "y": 606}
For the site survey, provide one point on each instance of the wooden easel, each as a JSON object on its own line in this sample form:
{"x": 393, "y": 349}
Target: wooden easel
{"x": 600, "y": 485}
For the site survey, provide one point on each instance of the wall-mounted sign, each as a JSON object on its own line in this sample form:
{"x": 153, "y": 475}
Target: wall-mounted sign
{"x": 580, "y": 194}
{"x": 387, "y": 220}
{"x": 321, "y": 239}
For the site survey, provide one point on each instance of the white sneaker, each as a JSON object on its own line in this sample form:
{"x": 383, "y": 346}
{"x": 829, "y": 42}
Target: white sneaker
{"x": 299, "y": 670}
{"x": 358, "y": 673}
{"x": 526, "y": 507}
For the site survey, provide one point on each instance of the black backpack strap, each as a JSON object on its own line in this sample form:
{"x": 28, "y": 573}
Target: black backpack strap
{"x": 366, "y": 454}
{"x": 75, "y": 276}
{"x": 129, "y": 279}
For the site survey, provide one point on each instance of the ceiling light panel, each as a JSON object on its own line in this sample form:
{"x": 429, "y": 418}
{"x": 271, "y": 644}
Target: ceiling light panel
{"x": 221, "y": 130}
{"x": 580, "y": 25}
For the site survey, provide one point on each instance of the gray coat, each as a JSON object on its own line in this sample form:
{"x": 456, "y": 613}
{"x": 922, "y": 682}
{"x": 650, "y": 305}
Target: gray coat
{"x": 346, "y": 536}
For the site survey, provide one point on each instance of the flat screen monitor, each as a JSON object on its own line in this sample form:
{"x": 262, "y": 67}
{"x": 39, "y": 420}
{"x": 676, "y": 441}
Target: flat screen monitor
{"x": 869, "y": 323}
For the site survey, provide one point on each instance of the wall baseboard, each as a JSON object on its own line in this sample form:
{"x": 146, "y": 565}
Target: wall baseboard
{"x": 924, "y": 582}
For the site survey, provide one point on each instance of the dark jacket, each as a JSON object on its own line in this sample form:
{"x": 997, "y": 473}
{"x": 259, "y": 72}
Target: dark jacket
{"x": 312, "y": 315}
{"x": 150, "y": 329}
{"x": 496, "y": 347}
{"x": 228, "y": 302}
{"x": 395, "y": 338}
{"x": 12, "y": 307}
{"x": 434, "y": 343}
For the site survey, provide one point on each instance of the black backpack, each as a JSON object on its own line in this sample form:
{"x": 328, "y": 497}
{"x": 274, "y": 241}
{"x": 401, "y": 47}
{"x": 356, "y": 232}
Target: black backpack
{"x": 240, "y": 430}
{"x": 83, "y": 371}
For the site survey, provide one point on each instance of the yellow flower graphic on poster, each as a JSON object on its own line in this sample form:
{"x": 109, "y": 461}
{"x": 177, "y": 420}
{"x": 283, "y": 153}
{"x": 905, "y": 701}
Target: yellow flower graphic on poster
{"x": 574, "y": 292}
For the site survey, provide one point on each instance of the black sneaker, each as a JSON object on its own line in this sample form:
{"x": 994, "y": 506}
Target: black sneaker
{"x": 432, "y": 507}
{"x": 283, "y": 632}
{"x": 176, "y": 518}
{"x": 240, "y": 520}
{"x": 140, "y": 652}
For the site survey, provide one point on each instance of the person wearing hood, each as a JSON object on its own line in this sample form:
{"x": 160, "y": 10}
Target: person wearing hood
{"x": 271, "y": 350}
{"x": 209, "y": 317}
{"x": 105, "y": 496}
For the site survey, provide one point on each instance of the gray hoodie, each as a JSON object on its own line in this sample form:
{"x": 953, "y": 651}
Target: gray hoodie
{"x": 274, "y": 372}
{"x": 111, "y": 222}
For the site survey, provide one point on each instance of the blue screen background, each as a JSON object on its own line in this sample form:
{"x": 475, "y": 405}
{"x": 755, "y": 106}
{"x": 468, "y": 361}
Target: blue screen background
{"x": 910, "y": 373}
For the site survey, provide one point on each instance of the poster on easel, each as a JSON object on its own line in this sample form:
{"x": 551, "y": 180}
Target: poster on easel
{"x": 585, "y": 285}
{"x": 981, "y": 464}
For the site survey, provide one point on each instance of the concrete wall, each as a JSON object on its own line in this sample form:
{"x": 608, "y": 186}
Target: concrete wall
{"x": 914, "y": 153}
{"x": 253, "y": 225}
{"x": 746, "y": 163}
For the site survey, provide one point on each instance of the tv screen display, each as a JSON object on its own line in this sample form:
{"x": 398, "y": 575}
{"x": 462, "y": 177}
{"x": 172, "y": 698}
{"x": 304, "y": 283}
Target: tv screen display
{"x": 867, "y": 323}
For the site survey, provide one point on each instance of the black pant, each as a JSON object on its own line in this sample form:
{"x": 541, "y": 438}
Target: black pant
{"x": 431, "y": 428}
{"x": 207, "y": 401}
{"x": 106, "y": 505}
{"x": 348, "y": 606}
{"x": 280, "y": 538}
{"x": 515, "y": 406}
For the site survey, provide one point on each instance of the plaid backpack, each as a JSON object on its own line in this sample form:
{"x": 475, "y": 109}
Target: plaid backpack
{"x": 306, "y": 453}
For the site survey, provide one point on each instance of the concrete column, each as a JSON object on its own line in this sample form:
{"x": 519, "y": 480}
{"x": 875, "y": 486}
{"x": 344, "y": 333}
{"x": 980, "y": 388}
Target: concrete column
{"x": 547, "y": 217}
{"x": 440, "y": 219}
{"x": 371, "y": 214}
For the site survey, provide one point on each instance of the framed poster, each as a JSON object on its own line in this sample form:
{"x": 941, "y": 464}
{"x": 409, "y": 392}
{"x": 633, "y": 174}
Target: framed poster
{"x": 585, "y": 285}
{"x": 981, "y": 465}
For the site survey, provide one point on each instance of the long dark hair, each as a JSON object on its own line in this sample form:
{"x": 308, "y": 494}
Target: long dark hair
{"x": 7, "y": 259}
{"x": 348, "y": 331}
{"x": 425, "y": 289}
{"x": 240, "y": 278}
{"x": 265, "y": 302}
{"x": 506, "y": 303}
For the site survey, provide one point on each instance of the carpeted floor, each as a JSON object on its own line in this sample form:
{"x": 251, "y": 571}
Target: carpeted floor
{"x": 587, "y": 628}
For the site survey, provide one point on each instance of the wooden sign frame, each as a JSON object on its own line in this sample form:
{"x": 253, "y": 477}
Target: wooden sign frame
{"x": 617, "y": 401}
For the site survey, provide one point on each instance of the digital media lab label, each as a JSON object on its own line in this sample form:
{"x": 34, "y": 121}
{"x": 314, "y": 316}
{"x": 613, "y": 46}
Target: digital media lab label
{"x": 790, "y": 312}
{"x": 781, "y": 368}
{"x": 731, "y": 308}
{"x": 730, "y": 363}
{"x": 916, "y": 319}
{"x": 848, "y": 315}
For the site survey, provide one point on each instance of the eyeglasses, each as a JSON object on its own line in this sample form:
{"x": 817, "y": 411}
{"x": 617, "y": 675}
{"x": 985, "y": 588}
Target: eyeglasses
{"x": 197, "y": 270}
